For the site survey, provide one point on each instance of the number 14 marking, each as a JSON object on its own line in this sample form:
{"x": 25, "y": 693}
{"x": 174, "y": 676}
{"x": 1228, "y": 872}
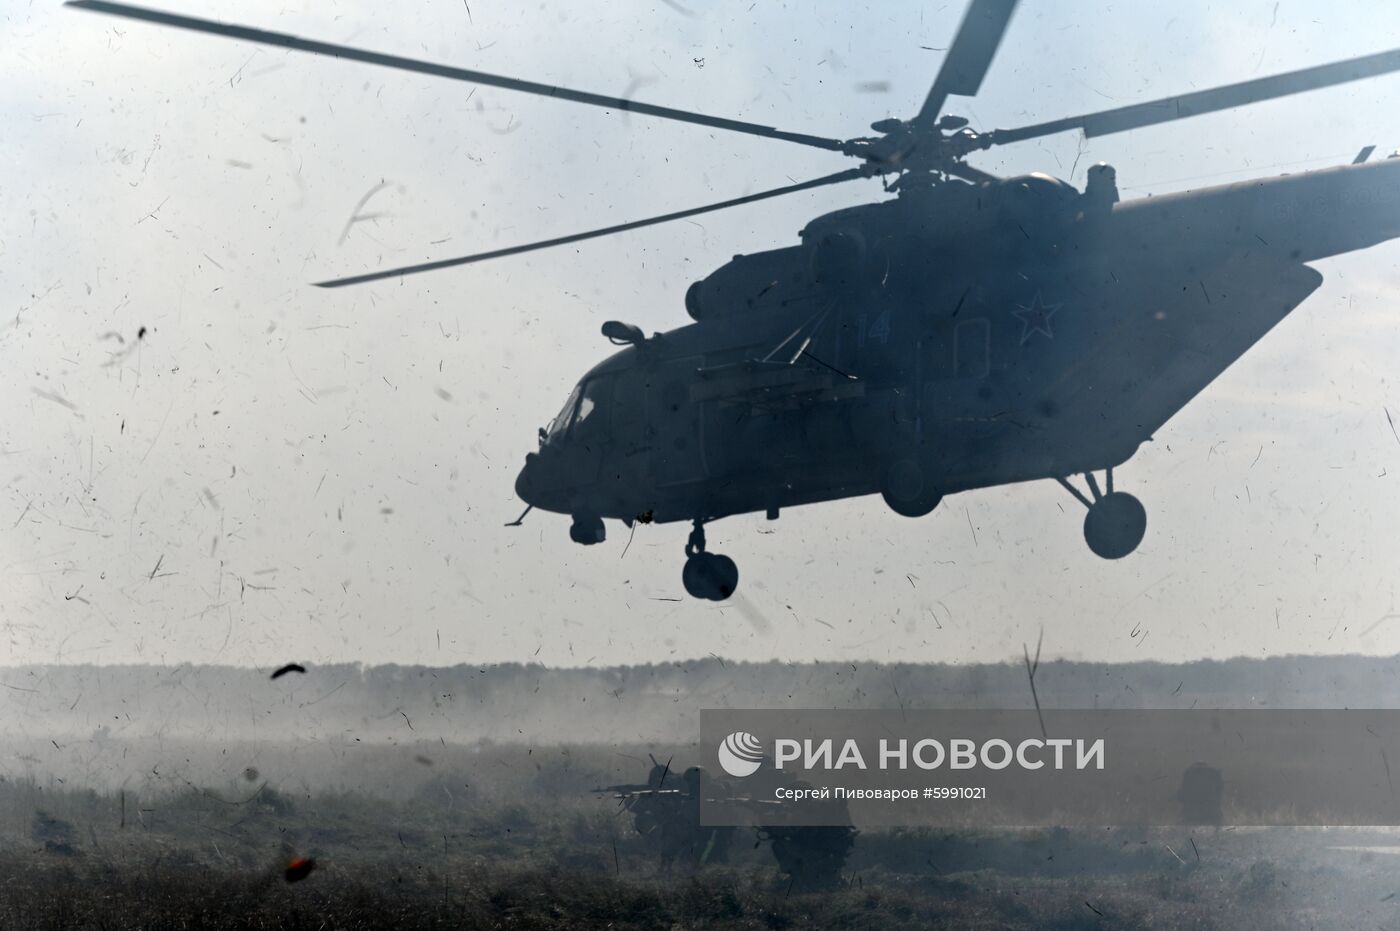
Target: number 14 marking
{"x": 878, "y": 329}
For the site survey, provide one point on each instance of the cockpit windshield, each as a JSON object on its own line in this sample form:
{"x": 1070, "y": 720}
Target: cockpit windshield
{"x": 580, "y": 413}
{"x": 587, "y": 419}
{"x": 561, "y": 421}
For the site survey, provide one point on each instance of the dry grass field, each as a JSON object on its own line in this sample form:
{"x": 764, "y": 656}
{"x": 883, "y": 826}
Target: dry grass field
{"x": 455, "y": 850}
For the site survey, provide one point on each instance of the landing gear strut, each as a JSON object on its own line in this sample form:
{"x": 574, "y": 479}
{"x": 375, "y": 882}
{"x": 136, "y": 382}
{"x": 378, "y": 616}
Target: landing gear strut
{"x": 1116, "y": 521}
{"x": 707, "y": 575}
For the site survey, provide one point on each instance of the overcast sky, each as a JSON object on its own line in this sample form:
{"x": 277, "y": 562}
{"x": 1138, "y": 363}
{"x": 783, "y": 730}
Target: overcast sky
{"x": 276, "y": 471}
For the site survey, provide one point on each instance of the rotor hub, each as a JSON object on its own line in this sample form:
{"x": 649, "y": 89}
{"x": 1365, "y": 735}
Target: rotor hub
{"x": 928, "y": 151}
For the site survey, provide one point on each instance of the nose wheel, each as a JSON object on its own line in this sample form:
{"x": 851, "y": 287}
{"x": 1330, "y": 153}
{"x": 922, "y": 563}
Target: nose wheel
{"x": 708, "y": 576}
{"x": 1116, "y": 521}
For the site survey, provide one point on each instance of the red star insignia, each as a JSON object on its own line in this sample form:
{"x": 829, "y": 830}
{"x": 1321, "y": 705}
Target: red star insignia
{"x": 1036, "y": 318}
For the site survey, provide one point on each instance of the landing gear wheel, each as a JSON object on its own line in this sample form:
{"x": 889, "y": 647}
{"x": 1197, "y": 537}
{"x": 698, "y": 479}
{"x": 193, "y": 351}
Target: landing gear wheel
{"x": 707, "y": 575}
{"x": 907, "y": 490}
{"x": 1115, "y": 525}
{"x": 710, "y": 576}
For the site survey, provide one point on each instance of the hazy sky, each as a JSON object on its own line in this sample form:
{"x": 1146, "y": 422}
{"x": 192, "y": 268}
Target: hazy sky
{"x": 277, "y": 471}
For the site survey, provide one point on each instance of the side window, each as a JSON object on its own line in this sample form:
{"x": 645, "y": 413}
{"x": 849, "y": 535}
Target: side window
{"x": 972, "y": 349}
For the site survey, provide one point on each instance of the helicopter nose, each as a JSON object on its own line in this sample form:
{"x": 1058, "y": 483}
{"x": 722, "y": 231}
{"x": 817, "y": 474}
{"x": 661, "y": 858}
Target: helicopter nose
{"x": 527, "y": 482}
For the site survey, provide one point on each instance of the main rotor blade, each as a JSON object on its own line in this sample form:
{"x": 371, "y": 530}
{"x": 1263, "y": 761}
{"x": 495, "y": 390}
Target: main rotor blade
{"x": 1167, "y": 109}
{"x": 968, "y": 173}
{"x": 285, "y": 40}
{"x": 970, "y": 54}
{"x": 849, "y": 174}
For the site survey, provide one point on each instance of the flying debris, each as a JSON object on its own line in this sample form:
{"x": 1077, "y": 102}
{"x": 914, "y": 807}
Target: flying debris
{"x": 298, "y": 869}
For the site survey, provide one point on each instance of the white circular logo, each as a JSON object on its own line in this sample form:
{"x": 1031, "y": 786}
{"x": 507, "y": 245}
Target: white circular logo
{"x": 740, "y": 754}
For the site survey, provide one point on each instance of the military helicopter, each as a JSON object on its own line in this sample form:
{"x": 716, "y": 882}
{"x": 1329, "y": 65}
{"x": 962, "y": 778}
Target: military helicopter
{"x": 967, "y": 332}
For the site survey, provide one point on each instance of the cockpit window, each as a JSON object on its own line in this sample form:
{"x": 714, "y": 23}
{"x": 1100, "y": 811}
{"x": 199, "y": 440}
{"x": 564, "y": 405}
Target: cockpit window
{"x": 580, "y": 414}
{"x": 590, "y": 418}
{"x": 561, "y": 421}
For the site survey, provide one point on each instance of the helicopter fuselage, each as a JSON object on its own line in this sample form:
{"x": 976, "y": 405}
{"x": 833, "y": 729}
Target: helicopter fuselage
{"x": 985, "y": 334}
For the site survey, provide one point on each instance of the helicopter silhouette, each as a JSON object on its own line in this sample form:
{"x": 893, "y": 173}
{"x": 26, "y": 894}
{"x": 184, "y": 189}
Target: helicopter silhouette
{"x": 968, "y": 332}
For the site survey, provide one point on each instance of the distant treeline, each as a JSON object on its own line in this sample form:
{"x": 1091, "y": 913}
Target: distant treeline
{"x": 526, "y": 703}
